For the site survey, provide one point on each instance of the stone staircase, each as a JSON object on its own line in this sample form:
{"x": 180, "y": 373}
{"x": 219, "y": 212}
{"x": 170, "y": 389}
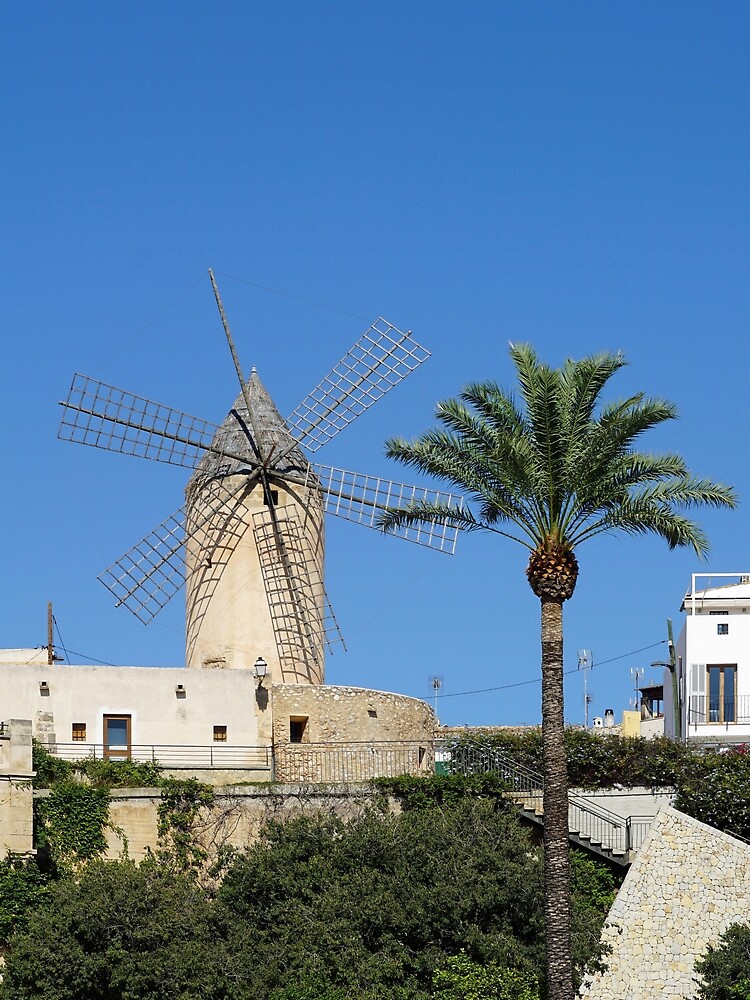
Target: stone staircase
{"x": 592, "y": 827}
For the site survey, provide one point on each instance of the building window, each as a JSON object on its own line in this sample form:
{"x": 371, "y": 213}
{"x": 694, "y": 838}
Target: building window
{"x": 298, "y": 729}
{"x": 117, "y": 737}
{"x": 79, "y": 732}
{"x": 220, "y": 734}
{"x": 722, "y": 690}
{"x": 722, "y": 628}
{"x": 274, "y": 494}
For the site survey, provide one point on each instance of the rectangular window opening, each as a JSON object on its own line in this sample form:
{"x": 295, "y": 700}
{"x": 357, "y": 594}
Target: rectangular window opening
{"x": 298, "y": 729}
{"x": 722, "y": 691}
{"x": 722, "y": 628}
{"x": 79, "y": 732}
{"x": 220, "y": 734}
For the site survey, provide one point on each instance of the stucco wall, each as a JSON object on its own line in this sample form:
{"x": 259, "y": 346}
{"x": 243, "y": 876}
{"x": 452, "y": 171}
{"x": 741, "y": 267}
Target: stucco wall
{"x": 350, "y": 734}
{"x": 689, "y": 882}
{"x": 87, "y": 693}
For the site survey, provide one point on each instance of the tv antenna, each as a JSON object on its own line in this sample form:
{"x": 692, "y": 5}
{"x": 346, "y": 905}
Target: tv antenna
{"x": 586, "y": 663}
{"x": 436, "y": 683}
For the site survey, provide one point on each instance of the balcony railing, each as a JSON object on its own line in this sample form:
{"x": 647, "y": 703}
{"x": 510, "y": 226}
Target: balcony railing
{"x": 213, "y": 756}
{"x": 703, "y": 710}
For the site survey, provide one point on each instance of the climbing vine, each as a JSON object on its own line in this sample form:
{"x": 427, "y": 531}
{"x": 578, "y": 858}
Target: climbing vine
{"x": 70, "y": 824}
{"x": 183, "y": 800}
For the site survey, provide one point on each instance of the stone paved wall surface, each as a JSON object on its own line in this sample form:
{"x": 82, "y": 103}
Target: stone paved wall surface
{"x": 689, "y": 882}
{"x": 351, "y": 734}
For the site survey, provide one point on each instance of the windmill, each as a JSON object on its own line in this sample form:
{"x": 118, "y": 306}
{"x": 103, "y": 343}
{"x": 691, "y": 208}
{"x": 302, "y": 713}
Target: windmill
{"x": 249, "y": 541}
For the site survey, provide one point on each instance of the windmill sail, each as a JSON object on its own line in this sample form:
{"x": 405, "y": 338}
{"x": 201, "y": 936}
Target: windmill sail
{"x": 358, "y": 497}
{"x": 149, "y": 574}
{"x": 114, "y": 419}
{"x": 294, "y": 586}
{"x": 249, "y": 540}
{"x": 381, "y": 358}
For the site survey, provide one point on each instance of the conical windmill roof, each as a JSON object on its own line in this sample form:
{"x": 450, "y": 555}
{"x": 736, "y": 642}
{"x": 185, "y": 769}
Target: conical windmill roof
{"x": 231, "y": 443}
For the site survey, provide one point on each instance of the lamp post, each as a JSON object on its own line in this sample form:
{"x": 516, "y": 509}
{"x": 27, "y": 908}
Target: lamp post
{"x": 260, "y": 670}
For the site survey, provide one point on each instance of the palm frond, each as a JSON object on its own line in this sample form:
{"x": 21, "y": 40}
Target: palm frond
{"x": 421, "y": 512}
{"x": 556, "y": 462}
{"x": 641, "y": 519}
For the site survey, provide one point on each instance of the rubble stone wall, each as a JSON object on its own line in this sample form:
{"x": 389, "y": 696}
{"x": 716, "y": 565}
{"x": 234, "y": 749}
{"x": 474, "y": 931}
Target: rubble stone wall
{"x": 349, "y": 734}
{"x": 688, "y": 883}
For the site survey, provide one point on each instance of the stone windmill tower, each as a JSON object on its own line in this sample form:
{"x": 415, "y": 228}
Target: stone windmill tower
{"x": 249, "y": 541}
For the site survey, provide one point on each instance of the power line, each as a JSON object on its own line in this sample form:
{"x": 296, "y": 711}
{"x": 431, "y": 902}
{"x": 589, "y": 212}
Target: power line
{"x": 538, "y": 680}
{"x": 128, "y": 341}
{"x": 94, "y": 659}
{"x": 288, "y": 295}
{"x": 59, "y": 636}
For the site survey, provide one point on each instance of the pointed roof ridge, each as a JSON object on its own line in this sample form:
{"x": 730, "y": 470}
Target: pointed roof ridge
{"x": 235, "y": 433}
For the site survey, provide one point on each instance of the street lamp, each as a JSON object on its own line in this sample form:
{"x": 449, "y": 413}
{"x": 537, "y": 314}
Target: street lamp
{"x": 260, "y": 670}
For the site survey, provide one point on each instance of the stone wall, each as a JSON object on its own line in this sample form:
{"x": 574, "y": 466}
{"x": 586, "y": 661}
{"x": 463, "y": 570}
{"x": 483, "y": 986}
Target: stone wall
{"x": 235, "y": 819}
{"x": 329, "y": 733}
{"x": 689, "y": 882}
{"x": 16, "y": 820}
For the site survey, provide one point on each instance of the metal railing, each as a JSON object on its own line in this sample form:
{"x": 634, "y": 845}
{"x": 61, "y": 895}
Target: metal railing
{"x": 330, "y": 762}
{"x": 209, "y": 757}
{"x": 300, "y": 763}
{"x": 586, "y": 819}
{"x": 703, "y": 710}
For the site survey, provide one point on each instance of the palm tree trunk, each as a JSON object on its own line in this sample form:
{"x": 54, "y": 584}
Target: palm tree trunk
{"x": 556, "y": 857}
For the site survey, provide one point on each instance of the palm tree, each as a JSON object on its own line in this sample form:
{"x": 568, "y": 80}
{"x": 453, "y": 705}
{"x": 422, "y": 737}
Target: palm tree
{"x": 550, "y": 472}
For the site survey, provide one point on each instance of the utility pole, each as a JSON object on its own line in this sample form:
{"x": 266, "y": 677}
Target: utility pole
{"x": 637, "y": 673}
{"x": 671, "y": 666}
{"x": 435, "y": 683}
{"x": 50, "y": 636}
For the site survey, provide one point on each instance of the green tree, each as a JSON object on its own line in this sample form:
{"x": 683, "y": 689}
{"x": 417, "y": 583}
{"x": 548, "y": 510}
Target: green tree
{"x": 318, "y": 909}
{"x": 22, "y": 888}
{"x": 550, "y": 472}
{"x": 372, "y": 907}
{"x": 725, "y": 969}
{"x": 463, "y": 979}
{"x": 119, "y": 932}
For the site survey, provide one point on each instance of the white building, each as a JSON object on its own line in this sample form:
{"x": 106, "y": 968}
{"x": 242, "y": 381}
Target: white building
{"x": 713, "y": 660}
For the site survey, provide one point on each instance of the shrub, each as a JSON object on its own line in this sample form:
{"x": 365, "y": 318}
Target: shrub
{"x": 460, "y": 978}
{"x": 725, "y": 969}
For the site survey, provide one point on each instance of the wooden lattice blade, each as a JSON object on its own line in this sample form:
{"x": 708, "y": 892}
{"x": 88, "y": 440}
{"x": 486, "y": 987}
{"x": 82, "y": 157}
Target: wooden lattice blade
{"x": 294, "y": 589}
{"x": 358, "y": 497}
{"x": 331, "y": 631}
{"x": 116, "y": 420}
{"x": 381, "y": 358}
{"x": 149, "y": 574}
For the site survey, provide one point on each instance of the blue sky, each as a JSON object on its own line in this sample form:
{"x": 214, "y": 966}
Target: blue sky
{"x": 572, "y": 175}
